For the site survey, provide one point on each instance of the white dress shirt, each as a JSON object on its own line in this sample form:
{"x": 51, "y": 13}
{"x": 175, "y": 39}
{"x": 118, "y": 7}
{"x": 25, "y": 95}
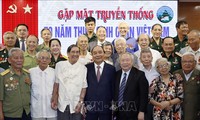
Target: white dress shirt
{"x": 41, "y": 92}
{"x": 187, "y": 76}
{"x": 86, "y": 59}
{"x": 20, "y": 43}
{"x": 122, "y": 76}
{"x": 150, "y": 74}
{"x": 101, "y": 67}
{"x": 71, "y": 80}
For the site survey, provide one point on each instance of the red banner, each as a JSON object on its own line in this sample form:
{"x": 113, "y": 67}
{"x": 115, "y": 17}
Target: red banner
{"x": 15, "y": 12}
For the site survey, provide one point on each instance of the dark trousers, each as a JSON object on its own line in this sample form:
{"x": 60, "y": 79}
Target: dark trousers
{"x": 68, "y": 116}
{"x": 122, "y": 114}
{"x": 98, "y": 116}
{"x": 24, "y": 117}
{"x": 149, "y": 113}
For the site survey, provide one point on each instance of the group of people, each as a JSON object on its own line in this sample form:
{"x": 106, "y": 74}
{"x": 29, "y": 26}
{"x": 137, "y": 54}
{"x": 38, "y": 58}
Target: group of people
{"x": 148, "y": 78}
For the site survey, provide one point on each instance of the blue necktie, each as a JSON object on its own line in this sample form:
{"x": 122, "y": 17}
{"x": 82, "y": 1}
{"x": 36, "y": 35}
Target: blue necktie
{"x": 121, "y": 91}
{"x": 23, "y": 45}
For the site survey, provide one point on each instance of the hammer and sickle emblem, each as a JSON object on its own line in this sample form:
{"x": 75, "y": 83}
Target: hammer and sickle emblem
{"x": 12, "y": 9}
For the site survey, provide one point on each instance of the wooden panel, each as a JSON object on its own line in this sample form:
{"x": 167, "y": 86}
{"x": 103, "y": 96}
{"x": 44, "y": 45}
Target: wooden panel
{"x": 190, "y": 11}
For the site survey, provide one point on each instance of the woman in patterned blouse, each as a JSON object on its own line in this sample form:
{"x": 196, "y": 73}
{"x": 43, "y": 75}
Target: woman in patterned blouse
{"x": 167, "y": 94}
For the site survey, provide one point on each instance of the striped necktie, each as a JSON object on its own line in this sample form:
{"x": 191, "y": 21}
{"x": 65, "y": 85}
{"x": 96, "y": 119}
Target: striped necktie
{"x": 121, "y": 91}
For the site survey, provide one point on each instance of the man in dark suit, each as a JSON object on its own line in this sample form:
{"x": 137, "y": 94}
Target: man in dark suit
{"x": 22, "y": 34}
{"x": 131, "y": 91}
{"x": 101, "y": 38}
{"x": 99, "y": 94}
{"x": 191, "y": 86}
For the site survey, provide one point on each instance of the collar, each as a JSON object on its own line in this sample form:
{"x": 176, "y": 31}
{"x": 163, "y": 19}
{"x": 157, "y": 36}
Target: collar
{"x": 12, "y": 72}
{"x": 101, "y": 65}
{"x": 127, "y": 73}
{"x": 100, "y": 43}
{"x": 189, "y": 74}
{"x": 27, "y": 54}
{"x": 190, "y": 50}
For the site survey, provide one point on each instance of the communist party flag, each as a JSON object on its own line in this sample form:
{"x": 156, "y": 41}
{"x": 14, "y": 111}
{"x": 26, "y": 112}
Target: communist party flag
{"x": 15, "y": 12}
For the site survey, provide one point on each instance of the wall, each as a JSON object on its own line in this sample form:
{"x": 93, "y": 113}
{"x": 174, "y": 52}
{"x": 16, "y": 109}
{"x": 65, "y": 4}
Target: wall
{"x": 190, "y": 11}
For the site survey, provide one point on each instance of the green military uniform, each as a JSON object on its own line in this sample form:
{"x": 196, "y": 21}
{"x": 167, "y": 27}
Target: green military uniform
{"x": 155, "y": 46}
{"x": 29, "y": 61}
{"x": 42, "y": 47}
{"x": 93, "y": 38}
{"x": 180, "y": 44}
{"x": 4, "y": 59}
{"x": 53, "y": 61}
{"x": 175, "y": 60}
{"x": 191, "y": 101}
{"x": 15, "y": 93}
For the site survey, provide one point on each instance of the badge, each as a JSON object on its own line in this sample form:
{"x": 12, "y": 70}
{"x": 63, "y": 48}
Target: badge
{"x": 198, "y": 82}
{"x": 27, "y": 81}
{"x": 11, "y": 78}
{"x": 6, "y": 85}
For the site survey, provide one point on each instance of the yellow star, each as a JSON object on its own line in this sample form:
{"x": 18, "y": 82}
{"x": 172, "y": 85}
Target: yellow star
{"x": 27, "y": 9}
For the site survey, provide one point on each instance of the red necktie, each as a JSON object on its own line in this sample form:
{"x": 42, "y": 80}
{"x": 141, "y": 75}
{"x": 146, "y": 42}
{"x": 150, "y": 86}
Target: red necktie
{"x": 98, "y": 73}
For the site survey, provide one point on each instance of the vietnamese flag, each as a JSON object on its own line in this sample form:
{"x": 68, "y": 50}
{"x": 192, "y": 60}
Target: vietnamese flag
{"x": 15, "y": 12}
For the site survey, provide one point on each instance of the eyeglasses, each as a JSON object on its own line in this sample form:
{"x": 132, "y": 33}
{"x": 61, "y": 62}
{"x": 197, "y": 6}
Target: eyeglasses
{"x": 44, "y": 58}
{"x": 188, "y": 62}
{"x": 163, "y": 66}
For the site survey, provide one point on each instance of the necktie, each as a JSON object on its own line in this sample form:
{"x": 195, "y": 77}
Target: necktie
{"x": 121, "y": 91}
{"x": 23, "y": 45}
{"x": 98, "y": 73}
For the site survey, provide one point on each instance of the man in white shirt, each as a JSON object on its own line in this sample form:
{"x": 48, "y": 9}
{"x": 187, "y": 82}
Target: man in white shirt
{"x": 85, "y": 56}
{"x": 70, "y": 86}
{"x": 194, "y": 46}
{"x": 151, "y": 74}
{"x": 147, "y": 68}
{"x": 42, "y": 78}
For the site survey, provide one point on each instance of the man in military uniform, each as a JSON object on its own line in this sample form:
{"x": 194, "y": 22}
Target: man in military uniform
{"x": 168, "y": 52}
{"x": 9, "y": 42}
{"x": 90, "y": 24}
{"x": 191, "y": 85}
{"x": 181, "y": 39}
{"x": 15, "y": 89}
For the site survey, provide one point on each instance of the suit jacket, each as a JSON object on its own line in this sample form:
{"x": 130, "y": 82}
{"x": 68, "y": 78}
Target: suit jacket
{"x": 99, "y": 95}
{"x": 17, "y": 43}
{"x": 93, "y": 44}
{"x": 191, "y": 99}
{"x": 135, "y": 95}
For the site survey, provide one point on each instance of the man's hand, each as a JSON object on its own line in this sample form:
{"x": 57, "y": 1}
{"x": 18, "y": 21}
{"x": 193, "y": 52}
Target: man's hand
{"x": 54, "y": 103}
{"x": 78, "y": 108}
{"x": 141, "y": 116}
